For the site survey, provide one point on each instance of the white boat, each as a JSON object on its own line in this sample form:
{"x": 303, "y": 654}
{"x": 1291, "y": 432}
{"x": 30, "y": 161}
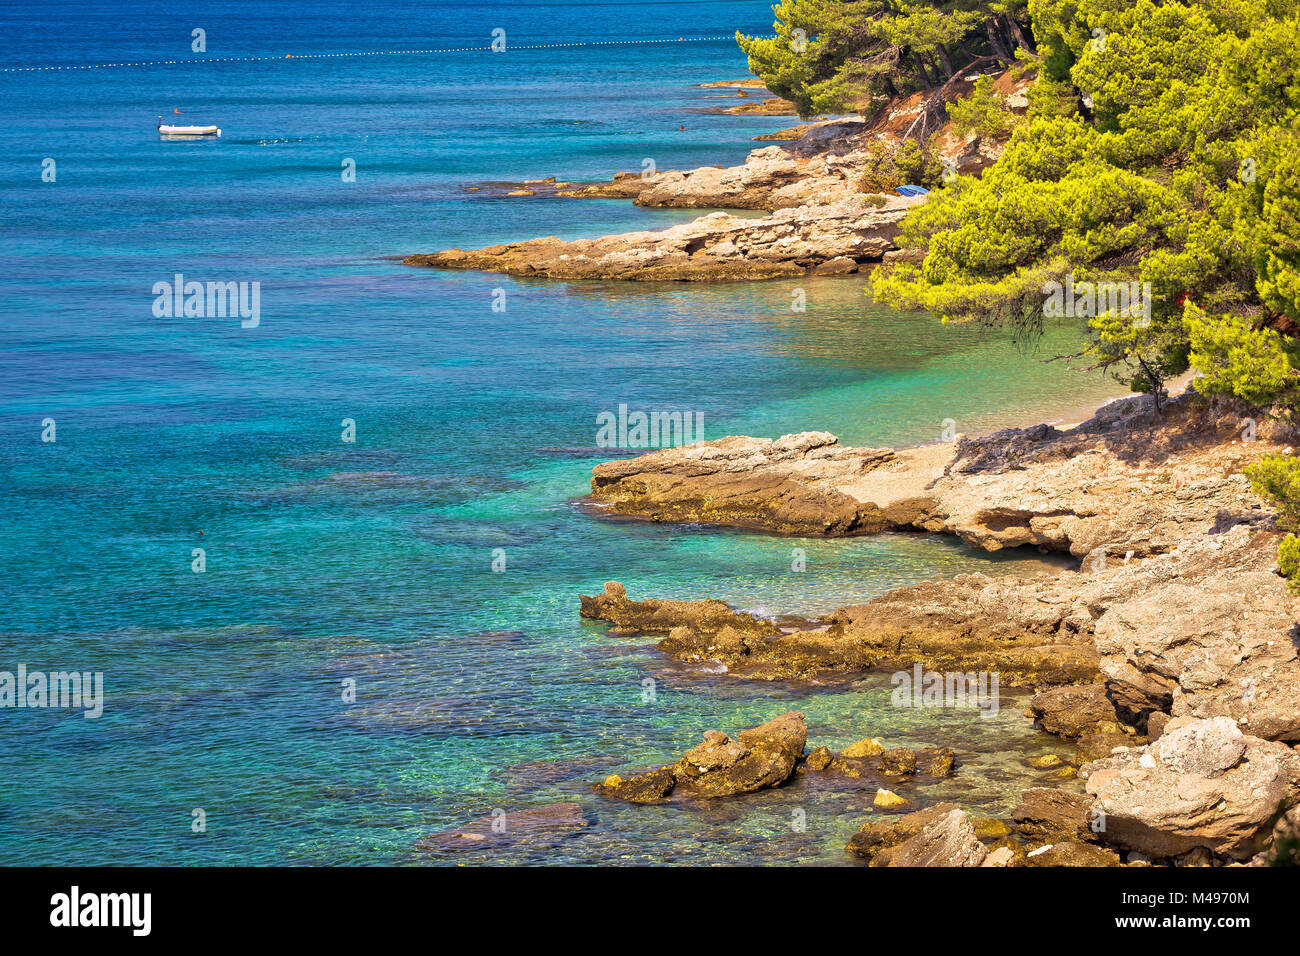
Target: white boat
{"x": 188, "y": 130}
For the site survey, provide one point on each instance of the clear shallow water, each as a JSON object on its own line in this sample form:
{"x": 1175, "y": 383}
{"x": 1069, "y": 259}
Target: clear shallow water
{"x": 372, "y": 561}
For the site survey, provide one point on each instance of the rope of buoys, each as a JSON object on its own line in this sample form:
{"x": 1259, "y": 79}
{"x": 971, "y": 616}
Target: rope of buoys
{"x": 327, "y": 56}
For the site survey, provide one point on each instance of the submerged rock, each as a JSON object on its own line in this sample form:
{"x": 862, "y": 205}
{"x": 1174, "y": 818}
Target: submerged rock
{"x": 1212, "y": 635}
{"x": 530, "y": 828}
{"x": 888, "y": 800}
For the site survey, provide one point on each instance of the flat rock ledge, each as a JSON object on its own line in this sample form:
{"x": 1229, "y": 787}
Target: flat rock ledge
{"x": 1168, "y": 636}
{"x": 973, "y": 623}
{"x": 813, "y": 239}
{"x": 1122, "y": 483}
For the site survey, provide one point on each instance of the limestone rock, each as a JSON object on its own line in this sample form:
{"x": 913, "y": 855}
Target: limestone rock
{"x": 1048, "y": 815}
{"x": 869, "y": 747}
{"x": 898, "y": 762}
{"x": 949, "y": 840}
{"x": 1202, "y": 784}
{"x": 888, "y": 800}
{"x": 1162, "y": 622}
{"x": 935, "y": 761}
{"x": 653, "y": 786}
{"x": 1120, "y": 483}
{"x": 721, "y": 766}
{"x": 718, "y": 247}
{"x": 1099, "y": 745}
{"x": 708, "y": 617}
{"x": 874, "y": 838}
{"x": 1000, "y": 856}
{"x": 799, "y": 484}
{"x": 1072, "y": 853}
{"x": 1075, "y": 711}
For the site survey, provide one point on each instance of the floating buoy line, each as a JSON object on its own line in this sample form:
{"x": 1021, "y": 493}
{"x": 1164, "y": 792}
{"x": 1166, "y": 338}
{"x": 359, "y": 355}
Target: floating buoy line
{"x": 199, "y": 61}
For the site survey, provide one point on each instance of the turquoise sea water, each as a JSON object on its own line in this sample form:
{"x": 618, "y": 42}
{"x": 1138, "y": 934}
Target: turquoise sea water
{"x": 372, "y": 561}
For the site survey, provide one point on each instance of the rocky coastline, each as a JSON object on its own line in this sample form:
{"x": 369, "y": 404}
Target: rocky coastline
{"x": 1168, "y": 658}
{"x": 813, "y": 239}
{"x": 821, "y": 220}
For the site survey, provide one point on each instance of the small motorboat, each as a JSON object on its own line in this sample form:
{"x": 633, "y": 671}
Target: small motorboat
{"x": 165, "y": 130}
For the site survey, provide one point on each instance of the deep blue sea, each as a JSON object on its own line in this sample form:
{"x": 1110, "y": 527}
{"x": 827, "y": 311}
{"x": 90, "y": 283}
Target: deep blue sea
{"x": 372, "y": 561}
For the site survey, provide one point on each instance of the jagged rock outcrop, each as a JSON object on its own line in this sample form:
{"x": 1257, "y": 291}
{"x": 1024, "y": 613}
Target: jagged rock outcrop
{"x": 1044, "y": 630}
{"x": 721, "y": 766}
{"x": 1204, "y": 785}
{"x": 655, "y": 616}
{"x": 1214, "y": 654}
{"x": 817, "y": 239}
{"x": 1215, "y": 634}
{"x": 896, "y": 762}
{"x": 1047, "y": 815}
{"x": 948, "y": 840}
{"x": 875, "y": 838}
{"x": 1075, "y": 711}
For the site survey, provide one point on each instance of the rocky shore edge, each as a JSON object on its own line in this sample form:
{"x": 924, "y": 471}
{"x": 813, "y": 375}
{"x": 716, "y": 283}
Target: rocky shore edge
{"x": 1168, "y": 658}
{"x": 822, "y": 219}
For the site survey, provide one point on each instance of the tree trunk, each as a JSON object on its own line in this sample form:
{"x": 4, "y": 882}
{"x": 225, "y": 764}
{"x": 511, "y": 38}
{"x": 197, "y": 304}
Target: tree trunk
{"x": 1157, "y": 383}
{"x": 921, "y": 68}
{"x": 945, "y": 61}
{"x": 1017, "y": 34}
{"x": 995, "y": 41}
{"x": 941, "y": 96}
